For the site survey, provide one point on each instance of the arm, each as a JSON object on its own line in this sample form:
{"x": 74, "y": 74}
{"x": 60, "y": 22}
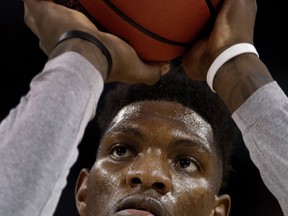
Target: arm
{"x": 244, "y": 84}
{"x": 39, "y": 138}
{"x": 263, "y": 120}
{"x": 260, "y": 109}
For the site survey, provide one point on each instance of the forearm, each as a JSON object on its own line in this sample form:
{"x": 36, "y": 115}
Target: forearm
{"x": 263, "y": 121}
{"x": 260, "y": 109}
{"x": 239, "y": 78}
{"x": 39, "y": 138}
{"x": 85, "y": 48}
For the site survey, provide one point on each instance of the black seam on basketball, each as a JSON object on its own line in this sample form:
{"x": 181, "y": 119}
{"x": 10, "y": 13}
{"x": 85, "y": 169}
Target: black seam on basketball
{"x": 213, "y": 14}
{"x": 142, "y": 29}
{"x": 76, "y": 5}
{"x": 211, "y": 9}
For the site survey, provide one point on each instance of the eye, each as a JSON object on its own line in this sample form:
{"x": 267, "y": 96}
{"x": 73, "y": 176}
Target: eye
{"x": 121, "y": 152}
{"x": 187, "y": 164}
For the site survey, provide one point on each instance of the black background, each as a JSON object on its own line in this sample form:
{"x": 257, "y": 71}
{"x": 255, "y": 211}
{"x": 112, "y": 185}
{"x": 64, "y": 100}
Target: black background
{"x": 21, "y": 59}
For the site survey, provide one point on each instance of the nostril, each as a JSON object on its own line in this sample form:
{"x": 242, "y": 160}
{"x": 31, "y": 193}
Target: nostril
{"x": 159, "y": 185}
{"x": 136, "y": 181}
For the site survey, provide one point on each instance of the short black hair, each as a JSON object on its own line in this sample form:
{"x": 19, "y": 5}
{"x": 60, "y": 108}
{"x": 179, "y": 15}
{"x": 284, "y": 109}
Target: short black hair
{"x": 175, "y": 86}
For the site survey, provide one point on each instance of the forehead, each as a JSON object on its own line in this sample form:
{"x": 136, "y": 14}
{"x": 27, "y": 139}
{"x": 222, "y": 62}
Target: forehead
{"x": 164, "y": 109}
{"x": 180, "y": 119}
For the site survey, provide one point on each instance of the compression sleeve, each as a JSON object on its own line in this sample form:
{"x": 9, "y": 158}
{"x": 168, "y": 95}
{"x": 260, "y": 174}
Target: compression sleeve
{"x": 263, "y": 121}
{"x": 39, "y": 137}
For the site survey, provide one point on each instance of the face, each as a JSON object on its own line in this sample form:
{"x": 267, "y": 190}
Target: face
{"x": 156, "y": 158}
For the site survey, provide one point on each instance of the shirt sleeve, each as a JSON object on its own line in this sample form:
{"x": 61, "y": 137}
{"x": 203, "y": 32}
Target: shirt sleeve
{"x": 39, "y": 137}
{"x": 263, "y": 121}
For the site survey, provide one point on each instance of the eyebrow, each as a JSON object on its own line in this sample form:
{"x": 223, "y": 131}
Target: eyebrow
{"x": 194, "y": 143}
{"x": 131, "y": 130}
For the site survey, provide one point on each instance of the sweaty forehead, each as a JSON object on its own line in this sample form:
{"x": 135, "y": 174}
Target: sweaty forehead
{"x": 127, "y": 112}
{"x": 170, "y": 110}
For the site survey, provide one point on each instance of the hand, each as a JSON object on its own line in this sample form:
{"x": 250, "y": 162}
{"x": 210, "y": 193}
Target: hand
{"x": 241, "y": 76}
{"x": 234, "y": 24}
{"x": 48, "y": 21}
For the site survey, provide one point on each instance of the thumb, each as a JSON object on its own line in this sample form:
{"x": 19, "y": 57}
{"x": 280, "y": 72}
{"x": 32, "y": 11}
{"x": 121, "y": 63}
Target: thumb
{"x": 29, "y": 20}
{"x": 150, "y": 73}
{"x": 35, "y": 13}
{"x": 34, "y": 5}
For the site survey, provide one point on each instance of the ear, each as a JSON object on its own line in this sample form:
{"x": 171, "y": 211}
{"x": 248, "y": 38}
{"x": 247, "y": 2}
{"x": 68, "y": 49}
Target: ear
{"x": 222, "y": 205}
{"x": 81, "y": 191}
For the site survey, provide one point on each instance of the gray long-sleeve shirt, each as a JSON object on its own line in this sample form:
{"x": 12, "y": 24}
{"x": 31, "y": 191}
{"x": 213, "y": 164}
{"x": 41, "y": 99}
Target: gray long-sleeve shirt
{"x": 263, "y": 121}
{"x": 39, "y": 138}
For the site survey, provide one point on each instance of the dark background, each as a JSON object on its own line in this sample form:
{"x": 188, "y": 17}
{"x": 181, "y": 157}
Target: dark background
{"x": 21, "y": 59}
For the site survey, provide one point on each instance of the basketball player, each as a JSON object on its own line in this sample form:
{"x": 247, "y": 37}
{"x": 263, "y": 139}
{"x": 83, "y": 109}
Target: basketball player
{"x": 156, "y": 157}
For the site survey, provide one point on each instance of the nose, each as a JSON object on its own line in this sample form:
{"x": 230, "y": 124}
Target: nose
{"x": 149, "y": 173}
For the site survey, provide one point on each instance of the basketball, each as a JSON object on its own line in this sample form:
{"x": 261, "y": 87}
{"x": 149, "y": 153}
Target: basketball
{"x": 158, "y": 30}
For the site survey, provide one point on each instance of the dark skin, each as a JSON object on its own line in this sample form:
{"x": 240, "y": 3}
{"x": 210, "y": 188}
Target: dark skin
{"x": 156, "y": 158}
{"x": 49, "y": 21}
{"x": 234, "y": 82}
{"x": 240, "y": 77}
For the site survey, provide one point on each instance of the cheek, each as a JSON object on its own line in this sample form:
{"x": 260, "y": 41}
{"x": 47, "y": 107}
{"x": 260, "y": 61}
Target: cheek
{"x": 194, "y": 196}
{"x": 103, "y": 189}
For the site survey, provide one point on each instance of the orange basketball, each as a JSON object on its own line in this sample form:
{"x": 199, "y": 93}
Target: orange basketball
{"x": 159, "y": 30}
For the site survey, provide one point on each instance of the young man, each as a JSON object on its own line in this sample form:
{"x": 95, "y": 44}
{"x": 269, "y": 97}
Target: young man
{"x": 39, "y": 137}
{"x": 164, "y": 151}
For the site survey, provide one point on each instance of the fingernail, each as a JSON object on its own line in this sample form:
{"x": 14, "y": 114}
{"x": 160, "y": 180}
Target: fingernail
{"x": 165, "y": 69}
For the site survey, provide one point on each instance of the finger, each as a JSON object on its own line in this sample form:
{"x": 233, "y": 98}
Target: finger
{"x": 29, "y": 20}
{"x": 30, "y": 3}
{"x": 34, "y": 3}
{"x": 37, "y": 8}
{"x": 196, "y": 62}
{"x": 151, "y": 73}
{"x": 42, "y": 47}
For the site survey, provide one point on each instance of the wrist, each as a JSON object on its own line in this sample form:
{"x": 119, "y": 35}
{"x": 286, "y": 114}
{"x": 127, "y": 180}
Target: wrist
{"x": 239, "y": 78}
{"x": 85, "y": 48}
{"x": 226, "y": 55}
